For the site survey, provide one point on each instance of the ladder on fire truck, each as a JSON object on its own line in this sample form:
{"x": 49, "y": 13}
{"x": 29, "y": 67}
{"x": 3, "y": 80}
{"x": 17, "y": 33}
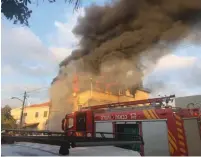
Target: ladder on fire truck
{"x": 154, "y": 102}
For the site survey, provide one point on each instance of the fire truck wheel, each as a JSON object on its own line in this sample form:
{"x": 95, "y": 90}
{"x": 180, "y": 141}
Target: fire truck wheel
{"x": 3, "y": 141}
{"x": 11, "y": 141}
{"x": 7, "y": 141}
{"x": 73, "y": 145}
{"x": 63, "y": 150}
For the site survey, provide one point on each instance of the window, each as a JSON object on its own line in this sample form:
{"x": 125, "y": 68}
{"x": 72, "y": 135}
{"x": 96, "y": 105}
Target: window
{"x": 121, "y": 92}
{"x": 36, "y": 114}
{"x": 25, "y": 114}
{"x": 70, "y": 122}
{"x": 81, "y": 121}
{"x": 45, "y": 113}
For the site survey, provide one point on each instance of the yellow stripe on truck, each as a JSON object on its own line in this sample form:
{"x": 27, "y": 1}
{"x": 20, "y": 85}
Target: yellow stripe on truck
{"x": 172, "y": 142}
{"x": 181, "y": 143}
{"x": 178, "y": 123}
{"x": 171, "y": 135}
{"x": 151, "y": 114}
{"x": 180, "y": 130}
{"x": 182, "y": 150}
{"x": 146, "y": 114}
{"x": 177, "y": 117}
{"x": 180, "y": 137}
{"x": 171, "y": 148}
{"x": 154, "y": 112}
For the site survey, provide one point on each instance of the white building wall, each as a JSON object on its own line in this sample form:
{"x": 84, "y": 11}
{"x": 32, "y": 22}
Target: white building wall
{"x": 184, "y": 101}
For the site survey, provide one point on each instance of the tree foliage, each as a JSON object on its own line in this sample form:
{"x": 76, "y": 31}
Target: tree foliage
{"x": 7, "y": 120}
{"x": 18, "y": 11}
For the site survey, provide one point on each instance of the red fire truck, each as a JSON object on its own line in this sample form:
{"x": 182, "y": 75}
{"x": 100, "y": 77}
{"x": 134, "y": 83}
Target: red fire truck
{"x": 165, "y": 130}
{"x": 151, "y": 128}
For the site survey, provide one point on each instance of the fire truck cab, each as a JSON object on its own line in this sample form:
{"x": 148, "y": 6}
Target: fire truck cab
{"x": 165, "y": 131}
{"x": 80, "y": 121}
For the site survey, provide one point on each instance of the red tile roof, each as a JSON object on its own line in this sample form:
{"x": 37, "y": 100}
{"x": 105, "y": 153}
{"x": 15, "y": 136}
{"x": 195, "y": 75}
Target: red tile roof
{"x": 39, "y": 105}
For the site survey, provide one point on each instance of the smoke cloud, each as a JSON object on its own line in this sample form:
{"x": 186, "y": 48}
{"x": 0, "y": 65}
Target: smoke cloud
{"x": 123, "y": 39}
{"x": 117, "y": 36}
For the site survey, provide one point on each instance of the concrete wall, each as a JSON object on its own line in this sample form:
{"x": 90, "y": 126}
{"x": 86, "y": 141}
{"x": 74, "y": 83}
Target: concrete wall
{"x": 184, "y": 101}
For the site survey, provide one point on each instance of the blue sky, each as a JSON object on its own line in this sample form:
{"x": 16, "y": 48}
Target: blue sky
{"x": 30, "y": 56}
{"x": 47, "y": 13}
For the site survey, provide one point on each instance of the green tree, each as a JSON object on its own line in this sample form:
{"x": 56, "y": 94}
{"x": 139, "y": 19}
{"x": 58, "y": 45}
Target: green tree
{"x": 18, "y": 11}
{"x": 7, "y": 120}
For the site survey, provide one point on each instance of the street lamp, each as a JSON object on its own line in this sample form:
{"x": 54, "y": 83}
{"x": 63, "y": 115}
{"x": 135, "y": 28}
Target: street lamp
{"x": 22, "y": 111}
{"x": 17, "y": 99}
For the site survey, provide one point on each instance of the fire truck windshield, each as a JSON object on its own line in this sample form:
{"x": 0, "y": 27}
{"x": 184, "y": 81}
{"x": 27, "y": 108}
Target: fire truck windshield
{"x": 70, "y": 122}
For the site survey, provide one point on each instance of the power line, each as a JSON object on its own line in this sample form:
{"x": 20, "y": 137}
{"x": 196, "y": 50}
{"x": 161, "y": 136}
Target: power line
{"x": 34, "y": 90}
{"x": 38, "y": 89}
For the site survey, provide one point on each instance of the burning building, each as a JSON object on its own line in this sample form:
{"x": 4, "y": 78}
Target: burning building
{"x": 118, "y": 43}
{"x": 83, "y": 90}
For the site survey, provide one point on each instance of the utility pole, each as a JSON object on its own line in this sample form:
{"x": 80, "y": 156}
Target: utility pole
{"x": 91, "y": 87}
{"x": 22, "y": 111}
{"x": 90, "y": 90}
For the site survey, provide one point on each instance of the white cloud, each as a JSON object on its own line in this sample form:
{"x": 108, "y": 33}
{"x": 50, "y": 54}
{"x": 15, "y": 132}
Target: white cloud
{"x": 60, "y": 52}
{"x": 174, "y": 74}
{"x": 173, "y": 61}
{"x": 63, "y": 36}
{"x": 63, "y": 40}
{"x": 7, "y": 70}
{"x": 28, "y": 64}
{"x": 21, "y": 50}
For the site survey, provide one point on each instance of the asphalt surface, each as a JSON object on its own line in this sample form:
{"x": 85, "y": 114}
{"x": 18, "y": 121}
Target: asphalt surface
{"x": 31, "y": 149}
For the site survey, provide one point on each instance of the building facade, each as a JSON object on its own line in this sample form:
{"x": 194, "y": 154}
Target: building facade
{"x": 75, "y": 102}
{"x": 183, "y": 102}
{"x": 35, "y": 116}
{"x": 93, "y": 98}
{"x": 69, "y": 94}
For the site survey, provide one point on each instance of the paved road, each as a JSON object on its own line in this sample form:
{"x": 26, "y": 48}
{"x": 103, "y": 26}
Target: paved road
{"x": 30, "y": 149}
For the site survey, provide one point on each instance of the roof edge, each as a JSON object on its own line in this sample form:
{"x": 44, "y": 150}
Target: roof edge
{"x": 144, "y": 90}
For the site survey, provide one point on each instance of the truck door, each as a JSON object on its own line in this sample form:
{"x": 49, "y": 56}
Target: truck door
{"x": 192, "y": 136}
{"x": 81, "y": 121}
{"x": 68, "y": 123}
{"x": 130, "y": 129}
{"x": 155, "y": 136}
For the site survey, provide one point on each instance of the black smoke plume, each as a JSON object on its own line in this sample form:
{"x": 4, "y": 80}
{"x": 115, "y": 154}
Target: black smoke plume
{"x": 115, "y": 37}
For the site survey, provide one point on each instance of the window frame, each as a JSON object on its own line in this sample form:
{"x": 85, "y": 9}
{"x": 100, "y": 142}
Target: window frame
{"x": 36, "y": 113}
{"x": 45, "y": 114}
